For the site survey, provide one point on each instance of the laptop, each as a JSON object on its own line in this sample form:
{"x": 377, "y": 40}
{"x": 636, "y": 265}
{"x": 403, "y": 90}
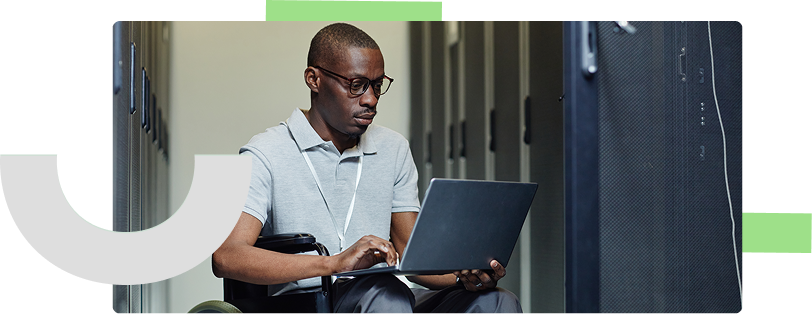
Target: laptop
{"x": 463, "y": 224}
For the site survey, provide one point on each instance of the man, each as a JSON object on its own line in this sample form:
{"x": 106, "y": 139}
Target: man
{"x": 329, "y": 172}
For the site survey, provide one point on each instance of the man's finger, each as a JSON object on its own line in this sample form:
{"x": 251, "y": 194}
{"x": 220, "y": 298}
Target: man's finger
{"x": 473, "y": 279}
{"x": 467, "y": 279}
{"x": 498, "y": 269}
{"x": 392, "y": 256}
{"x": 485, "y": 279}
{"x": 385, "y": 248}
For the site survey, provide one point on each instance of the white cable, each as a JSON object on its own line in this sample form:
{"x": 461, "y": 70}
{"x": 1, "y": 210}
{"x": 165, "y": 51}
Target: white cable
{"x": 724, "y": 147}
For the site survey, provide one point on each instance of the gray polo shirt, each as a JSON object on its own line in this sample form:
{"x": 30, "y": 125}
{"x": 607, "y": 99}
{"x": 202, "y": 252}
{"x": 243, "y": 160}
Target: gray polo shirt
{"x": 283, "y": 194}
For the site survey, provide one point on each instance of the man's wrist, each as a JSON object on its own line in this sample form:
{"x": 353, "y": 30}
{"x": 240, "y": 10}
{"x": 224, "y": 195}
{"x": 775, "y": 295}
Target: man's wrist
{"x": 330, "y": 264}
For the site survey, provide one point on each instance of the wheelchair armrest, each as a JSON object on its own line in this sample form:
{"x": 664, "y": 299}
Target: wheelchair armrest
{"x": 291, "y": 243}
{"x": 281, "y": 240}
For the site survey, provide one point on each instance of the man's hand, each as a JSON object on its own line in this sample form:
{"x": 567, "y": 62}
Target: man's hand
{"x": 368, "y": 251}
{"x": 476, "y": 280}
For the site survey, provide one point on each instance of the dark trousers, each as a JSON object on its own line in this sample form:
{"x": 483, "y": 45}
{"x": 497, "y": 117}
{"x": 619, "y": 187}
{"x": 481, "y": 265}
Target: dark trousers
{"x": 386, "y": 293}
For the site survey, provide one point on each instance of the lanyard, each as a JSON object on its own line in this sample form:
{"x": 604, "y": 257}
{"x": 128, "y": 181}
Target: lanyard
{"x": 352, "y": 203}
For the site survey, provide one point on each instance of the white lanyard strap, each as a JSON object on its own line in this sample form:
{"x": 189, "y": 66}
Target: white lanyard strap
{"x": 352, "y": 203}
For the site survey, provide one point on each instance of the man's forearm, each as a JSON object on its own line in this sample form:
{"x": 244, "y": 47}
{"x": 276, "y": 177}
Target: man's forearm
{"x": 434, "y": 282}
{"x": 263, "y": 267}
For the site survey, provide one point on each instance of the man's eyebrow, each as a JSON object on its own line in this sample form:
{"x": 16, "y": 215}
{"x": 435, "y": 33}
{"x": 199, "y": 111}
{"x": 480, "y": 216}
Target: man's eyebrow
{"x": 357, "y": 75}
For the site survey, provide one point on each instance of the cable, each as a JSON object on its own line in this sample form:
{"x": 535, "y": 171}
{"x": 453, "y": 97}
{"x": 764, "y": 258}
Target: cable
{"x": 724, "y": 147}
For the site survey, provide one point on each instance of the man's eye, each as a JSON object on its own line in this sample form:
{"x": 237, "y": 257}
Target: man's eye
{"x": 356, "y": 85}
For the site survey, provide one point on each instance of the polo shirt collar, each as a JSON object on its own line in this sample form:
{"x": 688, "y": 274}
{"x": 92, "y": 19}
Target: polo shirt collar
{"x": 306, "y": 137}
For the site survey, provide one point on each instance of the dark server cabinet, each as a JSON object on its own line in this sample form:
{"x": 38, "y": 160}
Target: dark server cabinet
{"x": 123, "y": 62}
{"x": 438, "y": 134}
{"x": 653, "y": 168}
{"x": 467, "y": 104}
{"x": 619, "y": 125}
{"x": 545, "y": 136}
{"x": 472, "y": 131}
{"x": 417, "y": 124}
{"x": 429, "y": 132}
{"x": 136, "y": 147}
{"x": 506, "y": 125}
{"x": 505, "y": 117}
{"x": 140, "y": 163}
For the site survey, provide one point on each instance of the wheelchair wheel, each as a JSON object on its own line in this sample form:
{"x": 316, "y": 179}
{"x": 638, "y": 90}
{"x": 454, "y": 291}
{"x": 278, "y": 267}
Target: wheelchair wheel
{"x": 215, "y": 306}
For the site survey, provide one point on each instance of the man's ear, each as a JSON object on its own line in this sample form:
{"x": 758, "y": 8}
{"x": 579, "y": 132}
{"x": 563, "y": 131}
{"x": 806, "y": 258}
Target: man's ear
{"x": 311, "y": 80}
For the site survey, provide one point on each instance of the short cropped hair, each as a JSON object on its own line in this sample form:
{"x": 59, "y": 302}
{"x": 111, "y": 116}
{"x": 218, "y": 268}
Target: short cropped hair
{"x": 336, "y": 37}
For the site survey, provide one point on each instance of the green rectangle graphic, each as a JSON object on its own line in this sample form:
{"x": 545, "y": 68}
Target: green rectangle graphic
{"x": 776, "y": 233}
{"x": 352, "y": 11}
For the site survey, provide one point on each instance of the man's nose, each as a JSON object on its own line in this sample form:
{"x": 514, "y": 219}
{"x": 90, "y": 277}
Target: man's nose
{"x": 368, "y": 98}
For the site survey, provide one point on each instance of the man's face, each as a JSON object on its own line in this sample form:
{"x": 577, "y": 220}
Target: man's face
{"x": 346, "y": 113}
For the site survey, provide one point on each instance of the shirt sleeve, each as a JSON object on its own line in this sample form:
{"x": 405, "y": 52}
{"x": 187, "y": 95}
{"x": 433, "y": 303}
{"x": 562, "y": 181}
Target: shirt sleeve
{"x": 404, "y": 198}
{"x": 259, "y": 199}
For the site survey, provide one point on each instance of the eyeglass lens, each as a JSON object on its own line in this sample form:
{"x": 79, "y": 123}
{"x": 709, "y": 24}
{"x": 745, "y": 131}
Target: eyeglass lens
{"x": 359, "y": 85}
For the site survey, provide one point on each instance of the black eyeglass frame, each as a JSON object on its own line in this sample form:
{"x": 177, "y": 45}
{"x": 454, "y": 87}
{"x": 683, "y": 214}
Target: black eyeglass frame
{"x": 366, "y": 86}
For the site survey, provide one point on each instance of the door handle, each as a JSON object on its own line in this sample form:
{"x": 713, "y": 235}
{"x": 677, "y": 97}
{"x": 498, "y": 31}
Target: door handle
{"x": 682, "y": 54}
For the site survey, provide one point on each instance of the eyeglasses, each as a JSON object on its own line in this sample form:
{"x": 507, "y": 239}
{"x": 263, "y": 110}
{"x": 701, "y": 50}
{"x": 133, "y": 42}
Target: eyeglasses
{"x": 359, "y": 86}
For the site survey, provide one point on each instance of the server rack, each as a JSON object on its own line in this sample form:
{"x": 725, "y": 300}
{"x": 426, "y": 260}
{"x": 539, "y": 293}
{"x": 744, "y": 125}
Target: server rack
{"x": 654, "y": 222}
{"x": 140, "y": 148}
{"x": 470, "y": 83}
{"x": 618, "y": 124}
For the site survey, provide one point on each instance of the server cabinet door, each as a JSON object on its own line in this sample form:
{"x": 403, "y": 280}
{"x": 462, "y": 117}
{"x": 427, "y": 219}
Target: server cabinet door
{"x": 418, "y": 123}
{"x": 664, "y": 224}
{"x": 506, "y": 124}
{"x": 121, "y": 157}
{"x": 473, "y": 131}
{"x": 546, "y": 140}
{"x": 438, "y": 131}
